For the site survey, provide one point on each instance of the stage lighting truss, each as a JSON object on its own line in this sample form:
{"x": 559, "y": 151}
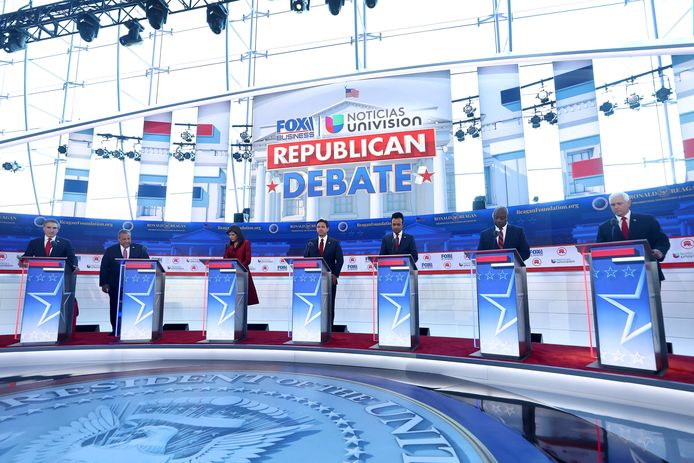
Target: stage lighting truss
{"x": 132, "y": 37}
{"x": 157, "y": 12}
{"x": 217, "y": 17}
{"x": 468, "y": 109}
{"x": 551, "y": 117}
{"x": 14, "y": 39}
{"x": 299, "y": 5}
{"x": 607, "y": 108}
{"x": 460, "y": 133}
{"x": 184, "y": 152}
{"x": 535, "y": 121}
{"x": 663, "y": 94}
{"x": 634, "y": 101}
{"x": 473, "y": 130}
{"x": 12, "y": 166}
{"x": 243, "y": 151}
{"x": 119, "y": 152}
{"x": 88, "y": 26}
{"x": 543, "y": 95}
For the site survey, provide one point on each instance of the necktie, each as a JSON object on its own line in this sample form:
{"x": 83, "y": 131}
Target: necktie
{"x": 320, "y": 247}
{"x": 397, "y": 241}
{"x": 625, "y": 228}
{"x": 125, "y": 253}
{"x": 48, "y": 247}
{"x": 501, "y": 239}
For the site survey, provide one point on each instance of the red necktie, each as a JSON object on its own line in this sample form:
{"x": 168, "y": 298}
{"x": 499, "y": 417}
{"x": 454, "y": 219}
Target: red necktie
{"x": 48, "y": 247}
{"x": 125, "y": 253}
{"x": 397, "y": 241}
{"x": 625, "y": 228}
{"x": 320, "y": 247}
{"x": 501, "y": 239}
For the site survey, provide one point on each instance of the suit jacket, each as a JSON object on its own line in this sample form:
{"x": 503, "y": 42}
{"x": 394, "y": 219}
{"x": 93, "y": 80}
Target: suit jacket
{"x": 514, "y": 239}
{"x": 407, "y": 245}
{"x": 332, "y": 253}
{"x": 641, "y": 227}
{"x": 110, "y": 267}
{"x": 61, "y": 247}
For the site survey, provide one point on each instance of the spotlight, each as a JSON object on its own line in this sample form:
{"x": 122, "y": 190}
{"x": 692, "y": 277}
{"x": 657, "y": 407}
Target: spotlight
{"x": 551, "y": 117}
{"x": 156, "y": 11}
{"x": 371, "y": 3}
{"x": 663, "y": 94}
{"x": 634, "y": 101}
{"x": 137, "y": 156}
{"x": 118, "y": 154}
{"x": 133, "y": 36}
{"x": 237, "y": 156}
{"x": 130, "y": 154}
{"x": 334, "y": 6}
{"x": 15, "y": 40}
{"x": 300, "y": 5}
{"x": 186, "y": 135}
{"x": 217, "y": 16}
{"x": 535, "y": 121}
{"x": 607, "y": 108}
{"x": 100, "y": 152}
{"x": 13, "y": 166}
{"x": 62, "y": 149}
{"x": 245, "y": 137}
{"x": 88, "y": 26}
{"x": 246, "y": 155}
{"x": 460, "y": 135}
{"x": 543, "y": 95}
{"x": 469, "y": 110}
{"x": 473, "y": 131}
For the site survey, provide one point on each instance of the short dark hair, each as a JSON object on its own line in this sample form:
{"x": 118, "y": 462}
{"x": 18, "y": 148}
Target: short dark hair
{"x": 397, "y": 215}
{"x": 239, "y": 234}
{"x": 123, "y": 231}
{"x": 52, "y": 220}
{"x": 327, "y": 225}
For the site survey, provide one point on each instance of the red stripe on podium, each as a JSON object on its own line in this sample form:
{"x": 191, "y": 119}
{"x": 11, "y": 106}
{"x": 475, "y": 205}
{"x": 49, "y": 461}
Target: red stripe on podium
{"x": 492, "y": 259}
{"x": 388, "y": 263}
{"x": 43, "y": 264}
{"x": 621, "y": 252}
{"x": 305, "y": 264}
{"x": 221, "y": 265}
{"x": 138, "y": 265}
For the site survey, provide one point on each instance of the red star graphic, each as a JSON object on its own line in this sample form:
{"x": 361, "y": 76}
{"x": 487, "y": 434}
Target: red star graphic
{"x": 272, "y": 186}
{"x": 426, "y": 176}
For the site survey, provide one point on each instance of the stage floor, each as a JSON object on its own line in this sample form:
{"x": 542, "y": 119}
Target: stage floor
{"x": 166, "y": 402}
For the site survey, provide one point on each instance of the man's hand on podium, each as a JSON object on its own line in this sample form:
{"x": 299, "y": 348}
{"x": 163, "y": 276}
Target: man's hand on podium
{"x": 657, "y": 254}
{"x": 334, "y": 278}
{"x": 105, "y": 288}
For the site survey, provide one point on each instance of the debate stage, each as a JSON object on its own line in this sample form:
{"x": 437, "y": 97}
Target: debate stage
{"x": 94, "y": 399}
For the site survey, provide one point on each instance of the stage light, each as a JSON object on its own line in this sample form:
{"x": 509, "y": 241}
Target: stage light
{"x": 473, "y": 131}
{"x": 15, "y": 40}
{"x": 245, "y": 137}
{"x": 535, "y": 121}
{"x": 543, "y": 95}
{"x": 62, "y": 149}
{"x": 13, "y": 166}
{"x": 334, "y": 6}
{"x": 371, "y": 3}
{"x": 607, "y": 108}
{"x": 88, "y": 26}
{"x": 157, "y": 12}
{"x": 187, "y": 135}
{"x": 217, "y": 16}
{"x": 118, "y": 154}
{"x": 100, "y": 152}
{"x": 663, "y": 94}
{"x": 247, "y": 155}
{"x": 460, "y": 135}
{"x": 634, "y": 101}
{"x": 300, "y": 5}
{"x": 551, "y": 117}
{"x": 237, "y": 156}
{"x": 133, "y": 36}
{"x": 469, "y": 110}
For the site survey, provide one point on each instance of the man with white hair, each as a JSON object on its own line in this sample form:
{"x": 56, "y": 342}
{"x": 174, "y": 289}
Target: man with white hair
{"x": 626, "y": 226}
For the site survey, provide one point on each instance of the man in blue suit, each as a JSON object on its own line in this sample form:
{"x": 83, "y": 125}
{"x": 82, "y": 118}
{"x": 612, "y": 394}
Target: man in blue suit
{"x": 50, "y": 245}
{"x": 504, "y": 236}
{"x": 109, "y": 273}
{"x": 625, "y": 226}
{"x": 331, "y": 252}
{"x": 398, "y": 242}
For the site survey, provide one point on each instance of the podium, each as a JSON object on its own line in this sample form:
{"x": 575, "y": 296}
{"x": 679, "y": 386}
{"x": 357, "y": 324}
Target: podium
{"x": 311, "y": 296}
{"x": 502, "y": 304}
{"x": 398, "y": 302}
{"x": 141, "y": 300}
{"x": 226, "y": 300}
{"x": 627, "y": 310}
{"x": 49, "y": 301}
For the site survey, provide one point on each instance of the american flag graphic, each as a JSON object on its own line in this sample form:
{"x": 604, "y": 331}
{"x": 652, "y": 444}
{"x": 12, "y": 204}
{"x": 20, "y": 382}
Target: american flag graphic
{"x": 351, "y": 93}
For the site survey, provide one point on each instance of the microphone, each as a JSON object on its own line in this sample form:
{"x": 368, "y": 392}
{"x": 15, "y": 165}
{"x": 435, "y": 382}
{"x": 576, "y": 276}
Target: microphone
{"x": 496, "y": 233}
{"x": 615, "y": 225}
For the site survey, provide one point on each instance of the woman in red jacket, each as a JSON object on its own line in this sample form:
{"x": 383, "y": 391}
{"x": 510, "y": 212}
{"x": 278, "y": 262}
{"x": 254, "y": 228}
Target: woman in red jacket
{"x": 240, "y": 248}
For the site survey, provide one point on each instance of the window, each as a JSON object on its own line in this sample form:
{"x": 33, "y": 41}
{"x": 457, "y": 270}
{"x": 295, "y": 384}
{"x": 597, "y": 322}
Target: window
{"x": 343, "y": 205}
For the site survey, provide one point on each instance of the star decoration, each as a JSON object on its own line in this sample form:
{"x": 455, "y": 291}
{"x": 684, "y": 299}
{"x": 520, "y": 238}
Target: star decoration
{"x": 223, "y": 316}
{"x": 397, "y": 321}
{"x": 310, "y": 316}
{"x": 629, "y": 272}
{"x": 142, "y": 316}
{"x": 628, "y": 333}
{"x": 426, "y": 175}
{"x": 272, "y": 186}
{"x": 45, "y": 317}
{"x": 611, "y": 272}
{"x": 491, "y": 298}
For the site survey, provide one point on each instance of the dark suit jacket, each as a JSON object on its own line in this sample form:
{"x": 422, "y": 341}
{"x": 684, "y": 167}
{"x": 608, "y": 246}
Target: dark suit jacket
{"x": 61, "y": 247}
{"x": 641, "y": 227}
{"x": 110, "y": 267}
{"x": 407, "y": 245}
{"x": 514, "y": 239}
{"x": 332, "y": 253}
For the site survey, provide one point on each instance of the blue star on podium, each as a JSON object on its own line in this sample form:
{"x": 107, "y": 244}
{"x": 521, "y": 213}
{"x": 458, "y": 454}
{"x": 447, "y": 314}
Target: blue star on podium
{"x": 46, "y": 315}
{"x": 310, "y": 316}
{"x": 491, "y": 298}
{"x": 397, "y": 321}
{"x": 223, "y": 316}
{"x": 628, "y": 332}
{"x": 141, "y": 315}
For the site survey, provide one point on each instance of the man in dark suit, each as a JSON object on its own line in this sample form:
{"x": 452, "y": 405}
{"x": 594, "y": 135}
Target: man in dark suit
{"x": 504, "y": 236}
{"x": 626, "y": 225}
{"x": 331, "y": 252}
{"x": 398, "y": 242}
{"x": 109, "y": 274}
{"x": 50, "y": 245}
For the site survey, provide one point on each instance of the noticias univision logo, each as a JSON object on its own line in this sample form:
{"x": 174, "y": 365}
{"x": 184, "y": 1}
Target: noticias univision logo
{"x": 334, "y": 123}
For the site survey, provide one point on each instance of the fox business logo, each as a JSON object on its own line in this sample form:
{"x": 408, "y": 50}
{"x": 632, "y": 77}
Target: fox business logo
{"x": 447, "y": 256}
{"x": 427, "y": 265}
{"x": 282, "y": 268}
{"x": 352, "y": 267}
{"x": 536, "y": 252}
{"x": 296, "y": 129}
